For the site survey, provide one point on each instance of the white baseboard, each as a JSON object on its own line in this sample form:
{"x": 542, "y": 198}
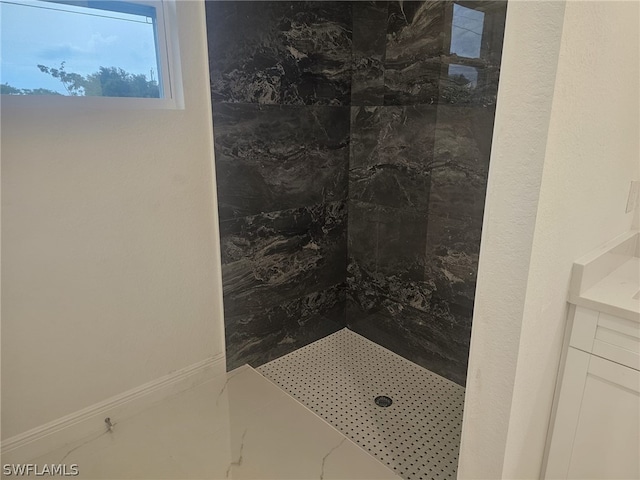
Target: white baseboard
{"x": 33, "y": 443}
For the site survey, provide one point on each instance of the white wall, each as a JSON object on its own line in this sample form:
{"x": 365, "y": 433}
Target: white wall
{"x": 529, "y": 61}
{"x": 110, "y": 256}
{"x": 590, "y": 156}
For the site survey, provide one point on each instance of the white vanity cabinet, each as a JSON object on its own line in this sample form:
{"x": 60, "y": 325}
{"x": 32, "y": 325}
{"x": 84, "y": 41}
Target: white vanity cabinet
{"x": 595, "y": 433}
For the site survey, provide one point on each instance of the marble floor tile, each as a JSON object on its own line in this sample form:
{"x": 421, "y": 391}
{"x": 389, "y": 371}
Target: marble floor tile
{"x": 341, "y": 457}
{"x": 236, "y": 426}
{"x": 339, "y": 377}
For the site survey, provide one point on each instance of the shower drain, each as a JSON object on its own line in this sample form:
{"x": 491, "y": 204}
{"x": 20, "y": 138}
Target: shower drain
{"x": 383, "y": 401}
{"x": 339, "y": 376}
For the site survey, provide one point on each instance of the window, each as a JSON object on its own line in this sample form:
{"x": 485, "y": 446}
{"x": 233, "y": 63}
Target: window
{"x": 467, "y": 25}
{"x": 466, "y": 31}
{"x": 89, "y": 48}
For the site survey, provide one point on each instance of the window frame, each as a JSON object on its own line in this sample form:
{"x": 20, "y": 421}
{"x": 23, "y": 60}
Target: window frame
{"x": 168, "y": 59}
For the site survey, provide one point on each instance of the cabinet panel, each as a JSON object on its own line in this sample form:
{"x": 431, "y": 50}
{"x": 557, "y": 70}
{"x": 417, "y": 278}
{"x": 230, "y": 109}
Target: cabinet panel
{"x": 607, "y": 438}
{"x": 567, "y": 414}
{"x": 596, "y": 432}
{"x": 618, "y": 339}
{"x": 610, "y": 337}
{"x": 583, "y": 331}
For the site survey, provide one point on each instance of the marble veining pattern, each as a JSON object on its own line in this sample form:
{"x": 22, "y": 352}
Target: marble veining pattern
{"x": 369, "y": 46}
{"x": 338, "y": 377}
{"x": 274, "y": 157}
{"x": 275, "y": 257}
{"x": 260, "y": 335}
{"x": 411, "y": 286}
{"x": 411, "y": 318}
{"x": 430, "y": 57}
{"x": 285, "y": 53}
{"x": 417, "y": 177}
{"x": 236, "y": 426}
{"x": 375, "y": 114}
{"x": 462, "y": 147}
{"x": 415, "y": 33}
{"x": 283, "y": 280}
{"x": 389, "y": 241}
{"x": 392, "y": 155}
{"x": 472, "y": 78}
{"x": 281, "y": 88}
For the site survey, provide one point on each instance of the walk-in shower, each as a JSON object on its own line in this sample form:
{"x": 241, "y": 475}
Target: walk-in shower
{"x": 352, "y": 144}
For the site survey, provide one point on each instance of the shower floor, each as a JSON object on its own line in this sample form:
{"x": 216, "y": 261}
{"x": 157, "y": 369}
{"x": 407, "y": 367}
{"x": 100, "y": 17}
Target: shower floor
{"x": 338, "y": 378}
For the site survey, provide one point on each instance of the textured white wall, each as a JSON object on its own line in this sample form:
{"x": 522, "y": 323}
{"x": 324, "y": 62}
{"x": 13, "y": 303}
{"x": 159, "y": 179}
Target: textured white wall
{"x": 529, "y": 61}
{"x": 110, "y": 256}
{"x": 552, "y": 197}
{"x": 592, "y": 155}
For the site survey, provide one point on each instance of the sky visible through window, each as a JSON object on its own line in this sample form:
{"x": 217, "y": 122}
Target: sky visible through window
{"x": 36, "y": 32}
{"x": 466, "y": 31}
{"x": 466, "y": 40}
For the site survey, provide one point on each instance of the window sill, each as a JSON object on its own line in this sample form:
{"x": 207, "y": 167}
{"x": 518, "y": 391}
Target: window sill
{"x": 9, "y": 102}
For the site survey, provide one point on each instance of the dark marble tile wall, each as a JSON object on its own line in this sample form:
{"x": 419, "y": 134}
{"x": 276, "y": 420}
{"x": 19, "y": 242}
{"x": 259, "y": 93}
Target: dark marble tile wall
{"x": 280, "y": 52}
{"x": 427, "y": 52}
{"x": 392, "y": 155}
{"x": 277, "y": 157}
{"x": 352, "y": 147}
{"x": 421, "y": 129}
{"x": 284, "y": 276}
{"x": 369, "y": 46}
{"x": 281, "y": 90}
{"x": 413, "y": 64}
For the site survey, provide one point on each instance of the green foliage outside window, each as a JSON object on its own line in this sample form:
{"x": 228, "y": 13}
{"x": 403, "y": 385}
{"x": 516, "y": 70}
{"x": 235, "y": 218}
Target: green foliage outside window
{"x": 106, "y": 82}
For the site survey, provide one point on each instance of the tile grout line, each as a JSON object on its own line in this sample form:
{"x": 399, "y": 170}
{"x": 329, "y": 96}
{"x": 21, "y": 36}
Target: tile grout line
{"x": 333, "y": 427}
{"x": 337, "y": 378}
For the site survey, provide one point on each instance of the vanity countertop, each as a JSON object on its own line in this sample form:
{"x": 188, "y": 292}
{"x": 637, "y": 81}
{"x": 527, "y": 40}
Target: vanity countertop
{"x": 608, "y": 279}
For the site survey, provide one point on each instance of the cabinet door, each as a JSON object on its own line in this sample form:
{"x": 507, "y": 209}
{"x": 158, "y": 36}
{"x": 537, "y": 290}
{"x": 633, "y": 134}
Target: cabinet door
{"x": 597, "y": 427}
